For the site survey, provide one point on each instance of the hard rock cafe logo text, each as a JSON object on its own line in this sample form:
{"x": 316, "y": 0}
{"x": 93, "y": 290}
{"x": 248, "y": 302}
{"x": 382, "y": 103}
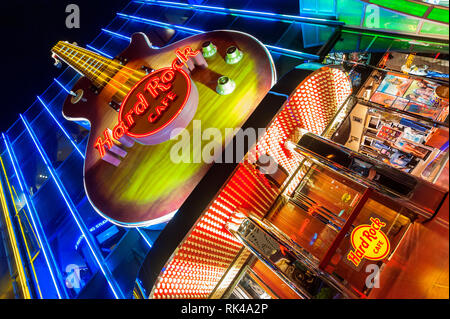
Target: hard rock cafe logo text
{"x": 152, "y": 103}
{"x": 369, "y": 242}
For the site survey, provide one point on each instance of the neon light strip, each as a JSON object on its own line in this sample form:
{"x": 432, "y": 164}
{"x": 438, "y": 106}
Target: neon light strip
{"x": 89, "y": 240}
{"x": 159, "y": 23}
{"x": 367, "y": 32}
{"x": 123, "y": 37}
{"x": 99, "y": 51}
{"x": 293, "y": 53}
{"x": 61, "y": 127}
{"x": 141, "y": 288}
{"x": 21, "y": 227}
{"x": 117, "y": 34}
{"x": 145, "y": 237}
{"x": 36, "y": 222}
{"x": 64, "y": 88}
{"x": 14, "y": 245}
{"x": 244, "y": 13}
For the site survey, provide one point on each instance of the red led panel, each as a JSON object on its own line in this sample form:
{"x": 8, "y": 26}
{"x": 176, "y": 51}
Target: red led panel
{"x": 207, "y": 252}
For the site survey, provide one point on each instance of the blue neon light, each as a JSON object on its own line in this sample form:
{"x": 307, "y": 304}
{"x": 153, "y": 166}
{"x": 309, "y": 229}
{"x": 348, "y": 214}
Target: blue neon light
{"x": 159, "y": 23}
{"x": 99, "y": 51}
{"x": 121, "y": 36}
{"x": 33, "y": 220}
{"x": 292, "y": 52}
{"x": 63, "y": 87}
{"x": 146, "y": 239}
{"x": 112, "y": 284}
{"x": 284, "y": 51}
{"x": 246, "y": 13}
{"x": 14, "y": 166}
{"x": 62, "y": 128}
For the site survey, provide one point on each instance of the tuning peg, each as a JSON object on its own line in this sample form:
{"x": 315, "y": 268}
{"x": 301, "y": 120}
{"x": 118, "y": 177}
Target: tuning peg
{"x": 57, "y": 63}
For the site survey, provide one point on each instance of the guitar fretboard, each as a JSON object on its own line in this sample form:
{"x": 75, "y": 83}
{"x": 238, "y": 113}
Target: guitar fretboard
{"x": 95, "y": 67}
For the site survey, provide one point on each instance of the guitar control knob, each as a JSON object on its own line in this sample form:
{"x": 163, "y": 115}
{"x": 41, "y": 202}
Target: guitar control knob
{"x": 208, "y": 49}
{"x": 225, "y": 85}
{"x": 234, "y": 55}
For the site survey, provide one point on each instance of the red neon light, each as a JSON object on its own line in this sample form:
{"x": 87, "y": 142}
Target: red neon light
{"x": 152, "y": 87}
{"x": 157, "y": 83}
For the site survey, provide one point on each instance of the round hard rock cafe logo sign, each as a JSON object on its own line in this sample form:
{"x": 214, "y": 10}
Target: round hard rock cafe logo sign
{"x": 160, "y": 102}
{"x": 369, "y": 242}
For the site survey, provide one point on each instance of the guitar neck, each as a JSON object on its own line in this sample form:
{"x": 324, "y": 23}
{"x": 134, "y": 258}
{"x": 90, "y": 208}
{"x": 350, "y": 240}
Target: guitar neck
{"x": 95, "y": 67}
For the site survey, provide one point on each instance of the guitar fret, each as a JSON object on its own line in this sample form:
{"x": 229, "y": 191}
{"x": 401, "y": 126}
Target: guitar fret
{"x": 92, "y": 65}
{"x": 89, "y": 65}
{"x": 80, "y": 57}
{"x": 85, "y": 62}
{"x": 95, "y": 66}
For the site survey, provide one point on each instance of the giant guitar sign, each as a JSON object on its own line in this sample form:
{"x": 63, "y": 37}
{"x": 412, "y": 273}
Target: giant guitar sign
{"x": 135, "y": 102}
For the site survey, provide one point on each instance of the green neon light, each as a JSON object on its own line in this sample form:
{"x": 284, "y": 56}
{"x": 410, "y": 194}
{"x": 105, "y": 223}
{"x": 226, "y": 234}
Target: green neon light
{"x": 438, "y": 14}
{"x": 349, "y": 11}
{"x": 393, "y": 37}
{"x": 408, "y": 7}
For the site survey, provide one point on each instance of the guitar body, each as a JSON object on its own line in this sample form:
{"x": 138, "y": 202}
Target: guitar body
{"x": 147, "y": 187}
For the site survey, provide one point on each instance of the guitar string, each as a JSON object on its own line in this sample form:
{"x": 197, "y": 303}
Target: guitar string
{"x": 102, "y": 76}
{"x": 101, "y": 58}
{"x": 109, "y": 64}
{"x": 93, "y": 54}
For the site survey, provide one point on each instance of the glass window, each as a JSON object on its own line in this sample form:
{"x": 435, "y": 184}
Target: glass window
{"x": 389, "y": 20}
{"x": 434, "y": 29}
{"x": 28, "y": 232}
{"x": 288, "y": 7}
{"x": 30, "y": 163}
{"x": 269, "y": 32}
{"x": 51, "y": 137}
{"x": 209, "y": 21}
{"x": 45, "y": 283}
{"x": 350, "y": 11}
{"x": 71, "y": 174}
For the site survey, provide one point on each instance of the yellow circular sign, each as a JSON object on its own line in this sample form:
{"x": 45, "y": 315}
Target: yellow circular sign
{"x": 369, "y": 242}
